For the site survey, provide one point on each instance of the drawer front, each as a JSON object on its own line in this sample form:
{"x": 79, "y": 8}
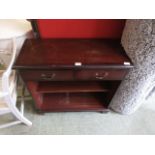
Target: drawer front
{"x": 47, "y": 75}
{"x": 104, "y": 74}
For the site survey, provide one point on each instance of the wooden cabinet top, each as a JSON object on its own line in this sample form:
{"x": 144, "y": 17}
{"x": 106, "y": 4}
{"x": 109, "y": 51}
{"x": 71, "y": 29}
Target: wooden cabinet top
{"x": 69, "y": 53}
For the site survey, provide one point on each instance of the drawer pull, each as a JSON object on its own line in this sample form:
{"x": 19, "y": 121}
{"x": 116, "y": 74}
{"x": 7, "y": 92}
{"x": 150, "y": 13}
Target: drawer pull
{"x": 101, "y": 76}
{"x": 48, "y": 77}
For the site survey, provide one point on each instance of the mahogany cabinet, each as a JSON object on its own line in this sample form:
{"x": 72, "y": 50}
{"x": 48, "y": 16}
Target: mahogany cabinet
{"x": 72, "y": 74}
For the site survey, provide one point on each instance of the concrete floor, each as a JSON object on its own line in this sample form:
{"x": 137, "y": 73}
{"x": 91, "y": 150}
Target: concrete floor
{"x": 82, "y": 123}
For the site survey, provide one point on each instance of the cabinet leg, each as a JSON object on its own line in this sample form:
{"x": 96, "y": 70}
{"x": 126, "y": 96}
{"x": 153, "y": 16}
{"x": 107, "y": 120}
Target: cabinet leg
{"x": 39, "y": 112}
{"x": 104, "y": 112}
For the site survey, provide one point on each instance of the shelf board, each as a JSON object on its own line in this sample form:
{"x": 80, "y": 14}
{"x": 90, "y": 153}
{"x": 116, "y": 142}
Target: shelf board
{"x": 74, "y": 102}
{"x": 71, "y": 86}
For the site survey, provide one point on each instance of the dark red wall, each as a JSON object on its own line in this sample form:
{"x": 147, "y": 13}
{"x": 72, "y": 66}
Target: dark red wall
{"x": 80, "y": 28}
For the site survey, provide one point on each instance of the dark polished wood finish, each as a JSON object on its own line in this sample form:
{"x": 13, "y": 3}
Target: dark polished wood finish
{"x": 64, "y": 53}
{"x": 72, "y": 86}
{"x": 72, "y": 74}
{"x": 47, "y": 75}
{"x": 74, "y": 102}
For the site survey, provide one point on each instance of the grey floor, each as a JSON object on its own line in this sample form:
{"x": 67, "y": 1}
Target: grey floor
{"x": 81, "y": 123}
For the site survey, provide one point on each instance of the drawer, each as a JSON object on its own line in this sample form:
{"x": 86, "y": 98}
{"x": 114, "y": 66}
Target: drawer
{"x": 42, "y": 75}
{"x": 104, "y": 74}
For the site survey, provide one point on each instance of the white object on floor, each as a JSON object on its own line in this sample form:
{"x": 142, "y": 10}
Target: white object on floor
{"x": 8, "y": 95}
{"x": 10, "y": 29}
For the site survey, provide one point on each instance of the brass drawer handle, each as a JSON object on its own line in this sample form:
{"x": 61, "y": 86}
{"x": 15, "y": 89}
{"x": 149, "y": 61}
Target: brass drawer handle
{"x": 48, "y": 77}
{"x": 101, "y": 76}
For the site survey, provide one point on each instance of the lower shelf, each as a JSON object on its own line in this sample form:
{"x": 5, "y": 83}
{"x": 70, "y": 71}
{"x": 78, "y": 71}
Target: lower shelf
{"x": 71, "y": 96}
{"x": 73, "y": 102}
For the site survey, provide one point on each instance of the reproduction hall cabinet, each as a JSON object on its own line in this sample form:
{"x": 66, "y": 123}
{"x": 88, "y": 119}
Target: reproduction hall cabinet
{"x": 73, "y": 73}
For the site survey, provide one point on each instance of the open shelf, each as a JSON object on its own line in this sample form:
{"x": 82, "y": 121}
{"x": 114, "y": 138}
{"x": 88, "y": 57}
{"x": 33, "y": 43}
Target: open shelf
{"x": 71, "y": 86}
{"x": 74, "y": 102}
{"x": 57, "y": 96}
